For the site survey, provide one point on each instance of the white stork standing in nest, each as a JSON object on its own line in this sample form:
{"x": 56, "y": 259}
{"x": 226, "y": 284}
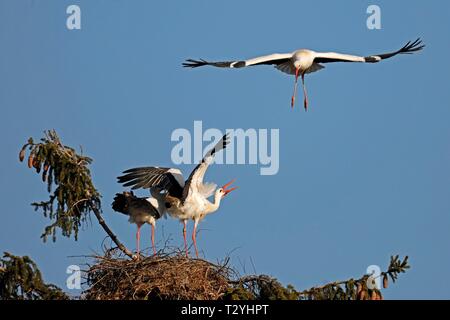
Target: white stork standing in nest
{"x": 184, "y": 200}
{"x": 304, "y": 61}
{"x": 140, "y": 211}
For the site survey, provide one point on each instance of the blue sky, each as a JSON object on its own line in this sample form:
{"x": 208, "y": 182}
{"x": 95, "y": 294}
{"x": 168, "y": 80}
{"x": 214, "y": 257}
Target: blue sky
{"x": 363, "y": 174}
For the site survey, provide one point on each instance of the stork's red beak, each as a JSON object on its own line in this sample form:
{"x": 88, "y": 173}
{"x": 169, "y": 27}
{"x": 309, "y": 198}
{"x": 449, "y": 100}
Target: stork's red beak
{"x": 227, "y": 191}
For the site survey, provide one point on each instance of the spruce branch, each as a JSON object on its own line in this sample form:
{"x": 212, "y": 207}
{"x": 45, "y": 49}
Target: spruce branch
{"x": 74, "y": 196}
{"x": 21, "y": 279}
{"x": 357, "y": 289}
{"x": 263, "y": 287}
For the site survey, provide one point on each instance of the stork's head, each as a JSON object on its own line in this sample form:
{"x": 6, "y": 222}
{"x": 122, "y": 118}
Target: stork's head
{"x": 303, "y": 59}
{"x": 223, "y": 191}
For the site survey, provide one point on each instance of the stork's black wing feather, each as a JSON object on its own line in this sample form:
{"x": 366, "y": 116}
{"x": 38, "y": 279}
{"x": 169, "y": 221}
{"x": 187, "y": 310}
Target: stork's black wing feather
{"x": 150, "y": 177}
{"x": 408, "y": 48}
{"x": 203, "y": 165}
{"x": 191, "y": 63}
{"x": 127, "y": 203}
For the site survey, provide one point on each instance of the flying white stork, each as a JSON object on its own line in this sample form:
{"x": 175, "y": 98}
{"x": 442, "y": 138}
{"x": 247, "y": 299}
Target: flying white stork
{"x": 183, "y": 200}
{"x": 140, "y": 211}
{"x": 303, "y": 61}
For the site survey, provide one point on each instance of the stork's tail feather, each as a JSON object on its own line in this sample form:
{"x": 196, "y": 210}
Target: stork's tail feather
{"x": 121, "y": 202}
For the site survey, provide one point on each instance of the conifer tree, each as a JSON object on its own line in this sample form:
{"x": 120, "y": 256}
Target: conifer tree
{"x": 74, "y": 196}
{"x": 20, "y": 279}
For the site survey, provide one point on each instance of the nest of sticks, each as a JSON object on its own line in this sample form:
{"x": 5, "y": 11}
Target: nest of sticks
{"x": 165, "y": 276}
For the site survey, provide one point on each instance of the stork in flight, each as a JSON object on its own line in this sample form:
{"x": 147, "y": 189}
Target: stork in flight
{"x": 183, "y": 200}
{"x": 140, "y": 211}
{"x": 304, "y": 61}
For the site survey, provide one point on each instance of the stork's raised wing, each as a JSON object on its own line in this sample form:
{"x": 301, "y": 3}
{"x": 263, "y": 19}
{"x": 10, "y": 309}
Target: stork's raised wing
{"x": 272, "y": 59}
{"x": 195, "y": 180}
{"x": 168, "y": 179}
{"x": 326, "y": 57}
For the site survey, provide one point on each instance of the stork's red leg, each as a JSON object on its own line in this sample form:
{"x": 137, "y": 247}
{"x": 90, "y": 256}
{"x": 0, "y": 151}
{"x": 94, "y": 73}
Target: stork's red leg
{"x": 295, "y": 87}
{"x": 138, "y": 239}
{"x": 185, "y": 241}
{"x": 194, "y": 238}
{"x": 153, "y": 240}
{"x": 304, "y": 93}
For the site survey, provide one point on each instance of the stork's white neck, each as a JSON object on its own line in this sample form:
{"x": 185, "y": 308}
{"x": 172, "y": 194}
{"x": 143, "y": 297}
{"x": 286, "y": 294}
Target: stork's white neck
{"x": 212, "y": 207}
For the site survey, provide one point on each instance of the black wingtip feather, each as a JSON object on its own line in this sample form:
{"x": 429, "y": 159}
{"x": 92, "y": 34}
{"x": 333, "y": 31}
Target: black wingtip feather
{"x": 411, "y": 47}
{"x": 226, "y": 139}
{"x": 222, "y": 144}
{"x": 191, "y": 63}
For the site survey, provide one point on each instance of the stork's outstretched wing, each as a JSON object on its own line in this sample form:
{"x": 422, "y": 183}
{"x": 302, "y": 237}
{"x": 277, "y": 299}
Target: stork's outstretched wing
{"x": 272, "y": 59}
{"x": 195, "y": 180}
{"x": 168, "y": 179}
{"x": 326, "y": 57}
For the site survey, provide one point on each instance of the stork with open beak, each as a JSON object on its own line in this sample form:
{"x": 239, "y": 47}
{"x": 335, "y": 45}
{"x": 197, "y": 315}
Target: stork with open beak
{"x": 304, "y": 61}
{"x": 184, "y": 200}
{"x": 140, "y": 211}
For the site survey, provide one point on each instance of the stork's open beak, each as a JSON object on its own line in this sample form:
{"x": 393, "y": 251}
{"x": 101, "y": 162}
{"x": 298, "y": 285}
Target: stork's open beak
{"x": 227, "y": 191}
